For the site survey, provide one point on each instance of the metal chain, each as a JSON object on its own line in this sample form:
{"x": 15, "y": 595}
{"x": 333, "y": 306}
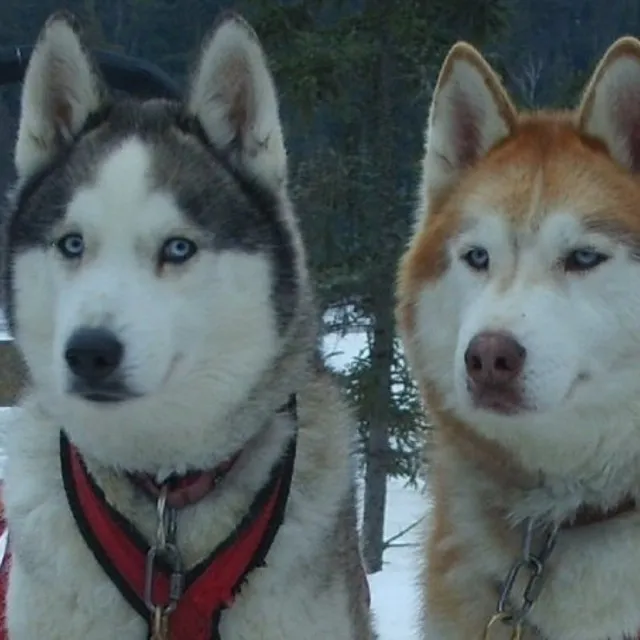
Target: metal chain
{"x": 164, "y": 547}
{"x": 514, "y": 615}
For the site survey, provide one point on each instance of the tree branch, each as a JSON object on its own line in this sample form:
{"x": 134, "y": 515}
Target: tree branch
{"x": 389, "y": 542}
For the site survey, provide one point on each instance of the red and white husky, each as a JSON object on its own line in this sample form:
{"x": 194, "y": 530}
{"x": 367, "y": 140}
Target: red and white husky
{"x": 519, "y": 305}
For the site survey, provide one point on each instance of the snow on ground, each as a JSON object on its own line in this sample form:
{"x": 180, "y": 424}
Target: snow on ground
{"x": 394, "y": 595}
{"x": 393, "y": 590}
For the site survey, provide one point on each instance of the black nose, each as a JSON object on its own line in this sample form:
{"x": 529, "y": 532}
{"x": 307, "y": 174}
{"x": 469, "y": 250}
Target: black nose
{"x": 93, "y": 354}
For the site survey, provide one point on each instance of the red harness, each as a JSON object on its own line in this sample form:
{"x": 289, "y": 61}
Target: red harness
{"x": 210, "y": 586}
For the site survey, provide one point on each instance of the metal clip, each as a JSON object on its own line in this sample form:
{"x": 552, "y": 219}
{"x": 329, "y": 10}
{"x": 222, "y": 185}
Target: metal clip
{"x": 516, "y": 633}
{"x": 176, "y": 580}
{"x": 164, "y": 546}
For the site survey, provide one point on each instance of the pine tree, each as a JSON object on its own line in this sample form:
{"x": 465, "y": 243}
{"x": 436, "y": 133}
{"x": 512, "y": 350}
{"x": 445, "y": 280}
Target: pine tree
{"x": 361, "y": 76}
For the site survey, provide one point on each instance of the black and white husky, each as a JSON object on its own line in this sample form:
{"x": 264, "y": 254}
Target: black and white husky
{"x": 179, "y": 467}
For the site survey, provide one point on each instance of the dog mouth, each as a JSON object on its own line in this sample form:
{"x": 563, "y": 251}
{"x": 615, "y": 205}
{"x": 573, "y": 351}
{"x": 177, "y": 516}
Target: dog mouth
{"x": 509, "y": 400}
{"x": 183, "y": 486}
{"x": 112, "y": 390}
{"x": 497, "y": 399}
{"x": 113, "y": 393}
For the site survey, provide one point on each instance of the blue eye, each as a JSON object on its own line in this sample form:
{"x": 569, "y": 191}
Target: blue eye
{"x": 583, "y": 260}
{"x": 71, "y": 246}
{"x": 477, "y": 258}
{"x": 177, "y": 251}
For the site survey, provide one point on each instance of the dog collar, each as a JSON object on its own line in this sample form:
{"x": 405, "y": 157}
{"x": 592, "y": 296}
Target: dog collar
{"x": 532, "y": 564}
{"x": 587, "y": 514}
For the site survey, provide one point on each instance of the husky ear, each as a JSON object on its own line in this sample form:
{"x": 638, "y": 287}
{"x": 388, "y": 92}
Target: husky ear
{"x": 233, "y": 96}
{"x": 610, "y": 107}
{"x": 61, "y": 89}
{"x": 470, "y": 113}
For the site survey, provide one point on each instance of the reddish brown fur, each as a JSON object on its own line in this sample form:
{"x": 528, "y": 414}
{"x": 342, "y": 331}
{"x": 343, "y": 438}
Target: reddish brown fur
{"x": 546, "y": 159}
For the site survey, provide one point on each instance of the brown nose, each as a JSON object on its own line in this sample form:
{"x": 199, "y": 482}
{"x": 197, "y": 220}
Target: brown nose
{"x": 494, "y": 358}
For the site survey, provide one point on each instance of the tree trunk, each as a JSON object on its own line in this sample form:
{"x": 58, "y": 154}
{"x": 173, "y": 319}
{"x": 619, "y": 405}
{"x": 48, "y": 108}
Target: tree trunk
{"x": 379, "y": 403}
{"x": 381, "y": 147}
{"x": 375, "y": 494}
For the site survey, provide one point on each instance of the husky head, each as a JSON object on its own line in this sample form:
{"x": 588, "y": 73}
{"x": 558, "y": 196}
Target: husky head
{"x": 156, "y": 277}
{"x": 519, "y": 296}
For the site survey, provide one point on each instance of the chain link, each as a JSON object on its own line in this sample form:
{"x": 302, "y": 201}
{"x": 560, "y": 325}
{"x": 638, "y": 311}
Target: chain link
{"x": 533, "y": 564}
{"x": 164, "y": 547}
